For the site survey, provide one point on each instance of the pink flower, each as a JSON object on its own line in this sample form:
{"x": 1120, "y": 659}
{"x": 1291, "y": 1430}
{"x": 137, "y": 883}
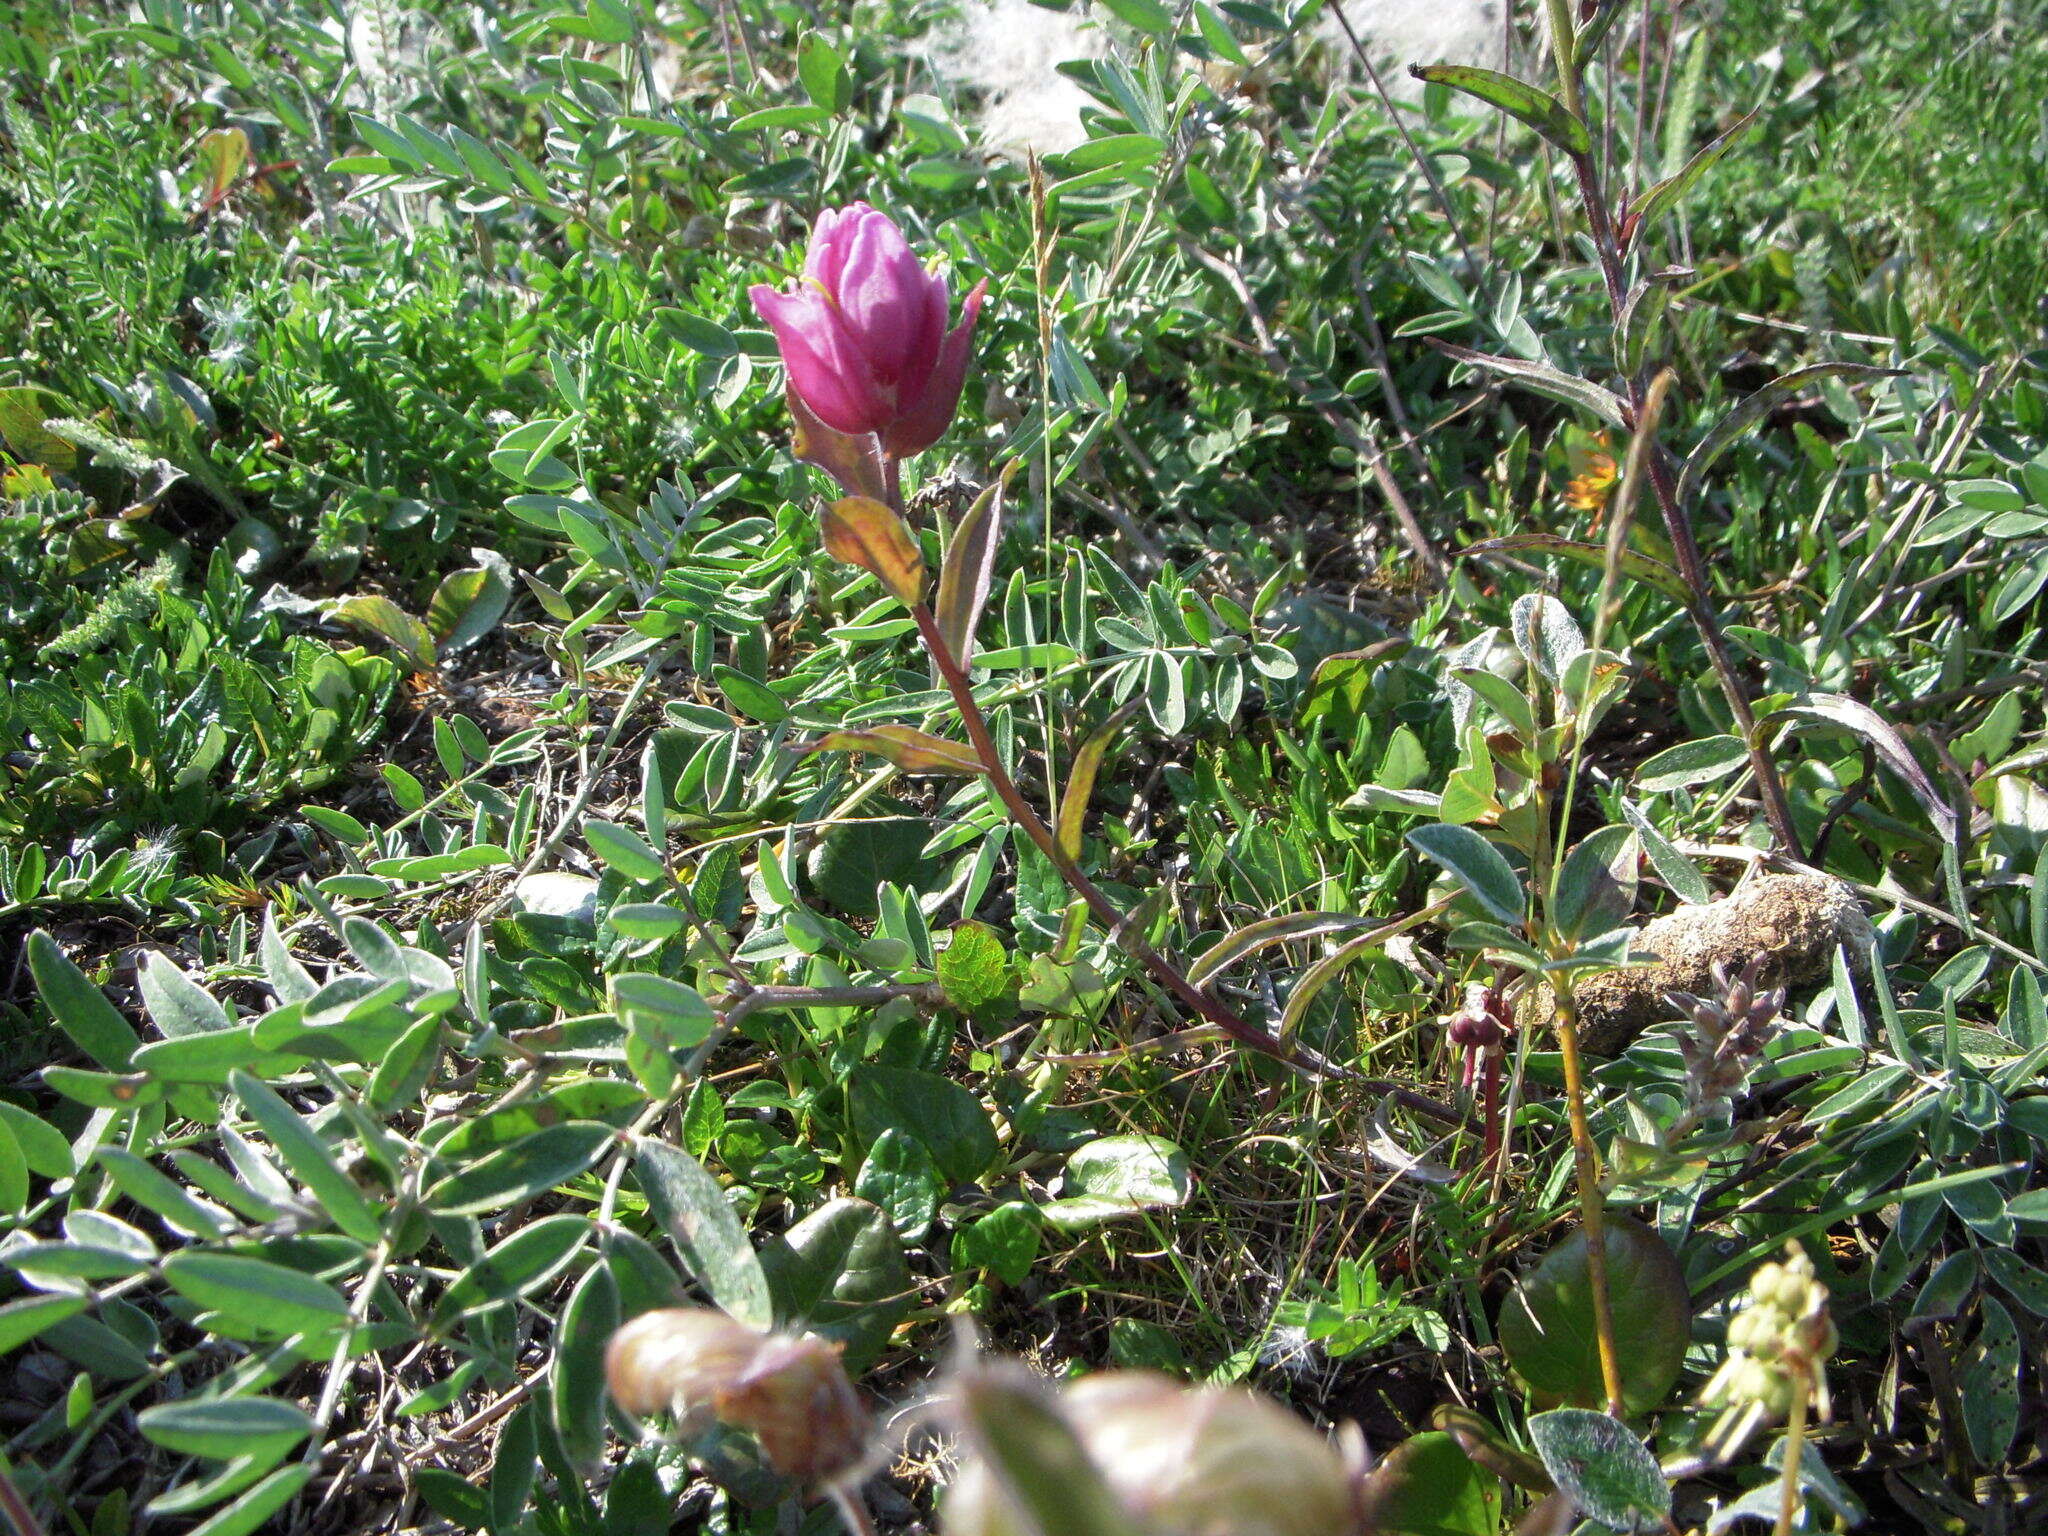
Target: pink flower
{"x": 864, "y": 333}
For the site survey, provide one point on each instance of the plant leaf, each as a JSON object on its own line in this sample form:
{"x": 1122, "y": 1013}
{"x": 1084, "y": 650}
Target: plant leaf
{"x": 1073, "y": 814}
{"x": 1603, "y": 1467}
{"x": 80, "y": 1008}
{"x": 1542, "y": 379}
{"x": 935, "y": 1110}
{"x": 1477, "y": 865}
{"x": 691, "y": 1205}
{"x": 852, "y": 459}
{"x": 1854, "y": 715}
{"x": 1635, "y": 565}
{"x": 1546, "y": 1324}
{"x": 860, "y": 530}
{"x": 964, "y": 573}
{"x": 1519, "y": 99}
{"x": 910, "y": 749}
{"x": 1663, "y": 197}
{"x": 530, "y": 1166}
{"x": 221, "y": 157}
{"x": 1691, "y": 763}
{"x": 1265, "y": 933}
{"x": 382, "y": 619}
{"x": 578, "y": 1398}
{"x": 974, "y": 969}
{"x": 1117, "y": 1176}
{"x": 1428, "y": 1486}
{"x": 840, "y": 1272}
{"x": 307, "y": 1156}
{"x": 270, "y": 1298}
{"x": 1752, "y": 409}
{"x": 226, "y": 1428}
{"x": 468, "y": 603}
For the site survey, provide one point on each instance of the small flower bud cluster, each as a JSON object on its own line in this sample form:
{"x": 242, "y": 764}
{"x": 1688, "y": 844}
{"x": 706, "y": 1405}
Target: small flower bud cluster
{"x": 1184, "y": 1461}
{"x": 1778, "y": 1342}
{"x": 1729, "y": 1032}
{"x": 1478, "y": 1028}
{"x": 789, "y": 1391}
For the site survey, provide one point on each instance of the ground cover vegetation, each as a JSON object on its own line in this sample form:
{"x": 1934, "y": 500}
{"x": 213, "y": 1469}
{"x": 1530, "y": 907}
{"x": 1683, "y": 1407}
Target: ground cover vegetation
{"x": 719, "y": 814}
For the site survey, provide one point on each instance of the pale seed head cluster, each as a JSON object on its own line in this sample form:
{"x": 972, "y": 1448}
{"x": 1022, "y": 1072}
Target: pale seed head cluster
{"x": 1778, "y": 1343}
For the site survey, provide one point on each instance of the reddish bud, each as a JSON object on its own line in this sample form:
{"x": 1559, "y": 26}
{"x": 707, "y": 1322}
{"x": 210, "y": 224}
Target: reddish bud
{"x": 864, "y": 333}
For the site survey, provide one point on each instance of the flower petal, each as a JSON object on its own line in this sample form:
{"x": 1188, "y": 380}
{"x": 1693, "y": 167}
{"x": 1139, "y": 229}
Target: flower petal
{"x": 883, "y": 296}
{"x": 927, "y": 419}
{"x": 825, "y": 364}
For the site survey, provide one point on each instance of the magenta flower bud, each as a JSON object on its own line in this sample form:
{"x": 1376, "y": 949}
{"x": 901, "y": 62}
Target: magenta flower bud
{"x": 864, "y": 333}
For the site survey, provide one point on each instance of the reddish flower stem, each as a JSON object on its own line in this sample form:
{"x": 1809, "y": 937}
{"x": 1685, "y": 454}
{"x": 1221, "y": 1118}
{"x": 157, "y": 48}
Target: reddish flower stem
{"x": 1105, "y": 911}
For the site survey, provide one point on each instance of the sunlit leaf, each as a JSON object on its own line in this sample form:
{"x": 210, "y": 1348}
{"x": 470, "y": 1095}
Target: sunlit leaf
{"x": 1539, "y": 109}
{"x": 910, "y": 749}
{"x": 862, "y": 531}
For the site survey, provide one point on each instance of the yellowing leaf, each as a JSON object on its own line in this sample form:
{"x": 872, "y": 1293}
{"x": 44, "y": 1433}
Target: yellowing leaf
{"x": 861, "y": 531}
{"x": 378, "y": 616}
{"x": 1081, "y": 782}
{"x": 221, "y": 157}
{"x": 912, "y": 750}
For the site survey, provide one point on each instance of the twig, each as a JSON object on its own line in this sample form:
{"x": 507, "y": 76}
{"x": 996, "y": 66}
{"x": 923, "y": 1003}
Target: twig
{"x": 14, "y": 1508}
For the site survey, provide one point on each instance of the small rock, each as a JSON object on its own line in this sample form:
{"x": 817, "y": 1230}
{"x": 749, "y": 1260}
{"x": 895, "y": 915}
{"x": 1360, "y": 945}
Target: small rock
{"x": 558, "y": 894}
{"x": 1795, "y": 921}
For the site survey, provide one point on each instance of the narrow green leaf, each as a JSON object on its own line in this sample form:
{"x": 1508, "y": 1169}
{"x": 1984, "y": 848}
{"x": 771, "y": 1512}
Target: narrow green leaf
{"x": 1664, "y": 196}
{"x": 307, "y": 1156}
{"x": 1673, "y": 867}
{"x": 1752, "y": 409}
{"x": 226, "y": 1428}
{"x": 22, "y": 1320}
{"x": 253, "y": 1510}
{"x": 530, "y": 1166}
{"x": 624, "y": 850}
{"x": 1635, "y": 565}
{"x": 1691, "y": 763}
{"x": 965, "y": 570}
{"x": 691, "y": 1205}
{"x": 154, "y": 1191}
{"x": 80, "y": 1008}
{"x": 1519, "y": 99}
{"x": 1542, "y": 379}
{"x": 528, "y": 1259}
{"x": 578, "y": 1399}
{"x": 177, "y": 1004}
{"x": 268, "y": 1297}
{"x": 1265, "y": 933}
{"x": 1073, "y": 812}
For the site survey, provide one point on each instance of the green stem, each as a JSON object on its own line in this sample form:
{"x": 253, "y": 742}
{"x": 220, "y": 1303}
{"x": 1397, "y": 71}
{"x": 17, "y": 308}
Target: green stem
{"x": 1795, "y": 1453}
{"x": 1592, "y": 1209}
{"x": 1563, "y": 43}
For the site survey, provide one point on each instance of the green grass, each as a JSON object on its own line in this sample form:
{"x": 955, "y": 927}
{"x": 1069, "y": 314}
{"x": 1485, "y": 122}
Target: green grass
{"x": 398, "y": 507}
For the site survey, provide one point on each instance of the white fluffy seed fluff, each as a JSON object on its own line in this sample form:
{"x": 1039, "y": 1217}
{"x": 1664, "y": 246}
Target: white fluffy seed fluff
{"x": 1008, "y": 53}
